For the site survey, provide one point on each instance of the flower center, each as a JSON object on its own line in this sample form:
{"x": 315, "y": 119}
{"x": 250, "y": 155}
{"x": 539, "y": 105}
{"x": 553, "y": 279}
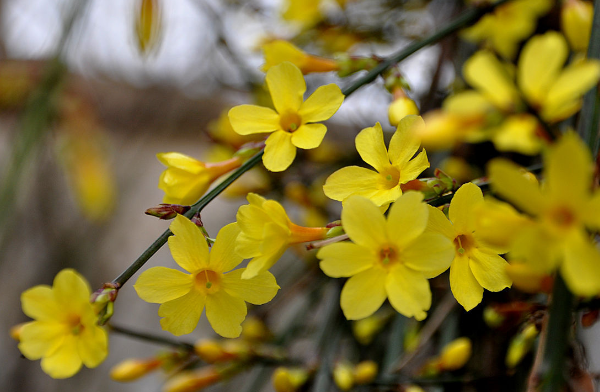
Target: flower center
{"x": 207, "y": 281}
{"x": 563, "y": 217}
{"x": 290, "y": 121}
{"x": 74, "y": 322}
{"x": 388, "y": 256}
{"x": 390, "y": 178}
{"x": 464, "y": 243}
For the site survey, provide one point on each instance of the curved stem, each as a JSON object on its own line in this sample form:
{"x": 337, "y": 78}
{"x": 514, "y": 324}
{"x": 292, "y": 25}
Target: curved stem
{"x": 150, "y": 338}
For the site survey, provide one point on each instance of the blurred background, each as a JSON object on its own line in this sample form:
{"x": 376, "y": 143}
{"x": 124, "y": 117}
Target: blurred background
{"x": 91, "y": 91}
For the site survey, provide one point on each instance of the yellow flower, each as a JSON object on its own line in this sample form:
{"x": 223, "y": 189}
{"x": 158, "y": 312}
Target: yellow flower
{"x": 393, "y": 168}
{"x": 211, "y": 282}
{"x": 266, "y": 232}
{"x": 221, "y": 131}
{"x": 279, "y": 51}
{"x": 187, "y": 179}
{"x": 304, "y": 12}
{"x": 293, "y": 122}
{"x": 576, "y": 23}
{"x": 401, "y": 107}
{"x": 476, "y": 264}
{"x": 495, "y": 110}
{"x": 563, "y": 209}
{"x": 509, "y": 24}
{"x": 64, "y": 334}
{"x": 387, "y": 259}
{"x": 455, "y": 354}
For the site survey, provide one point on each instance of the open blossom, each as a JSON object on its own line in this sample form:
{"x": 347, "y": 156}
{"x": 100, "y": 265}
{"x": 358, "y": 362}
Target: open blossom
{"x": 293, "y": 123}
{"x": 212, "y": 282}
{"x": 185, "y": 180}
{"x": 562, "y": 210}
{"x": 392, "y": 168}
{"x": 476, "y": 265}
{"x": 387, "y": 258}
{"x": 65, "y": 333}
{"x": 266, "y": 232}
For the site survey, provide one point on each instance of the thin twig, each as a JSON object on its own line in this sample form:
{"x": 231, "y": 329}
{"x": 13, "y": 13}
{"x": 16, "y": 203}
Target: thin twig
{"x": 150, "y": 337}
{"x": 320, "y": 244}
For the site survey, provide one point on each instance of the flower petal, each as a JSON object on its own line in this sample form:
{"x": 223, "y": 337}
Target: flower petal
{"x": 180, "y": 316}
{"x": 408, "y": 292}
{"x": 257, "y": 290}
{"x": 92, "y": 345}
{"x": 161, "y": 284}
{"x": 309, "y": 136}
{"x": 465, "y": 288}
{"x": 272, "y": 247}
{"x": 38, "y": 303}
{"x": 484, "y": 72}
{"x": 223, "y": 256}
{"x": 371, "y": 147}
{"x": 249, "y": 119}
{"x": 188, "y": 246}
{"x": 65, "y": 361}
{"x": 540, "y": 63}
{"x": 286, "y": 85}
{"x": 413, "y": 168}
{"x": 405, "y": 142}
{"x": 279, "y": 151}
{"x": 581, "y": 266}
{"x": 439, "y": 223}
{"x": 322, "y": 104}
{"x": 510, "y": 183}
{"x": 363, "y": 222}
{"x": 344, "y": 259}
{"x": 490, "y": 270}
{"x": 180, "y": 161}
{"x": 71, "y": 290}
{"x": 41, "y": 338}
{"x": 363, "y": 294}
{"x": 225, "y": 313}
{"x": 462, "y": 208}
{"x": 407, "y": 219}
{"x": 430, "y": 254}
{"x": 351, "y": 180}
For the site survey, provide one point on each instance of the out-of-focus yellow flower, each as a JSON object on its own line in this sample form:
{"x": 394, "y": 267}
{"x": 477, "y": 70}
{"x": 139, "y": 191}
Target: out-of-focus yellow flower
{"x": 496, "y": 111}
{"x": 365, "y": 372}
{"x": 255, "y": 330}
{"x": 213, "y": 351}
{"x": 148, "y": 25}
{"x": 343, "y": 375}
{"x": 306, "y": 13}
{"x": 193, "y": 381}
{"x": 529, "y": 280}
{"x": 364, "y": 330}
{"x": 476, "y": 264}
{"x": 455, "y": 354}
{"x": 294, "y": 122}
{"x": 279, "y": 51}
{"x": 392, "y": 168}
{"x": 186, "y": 179}
{"x": 212, "y": 282}
{"x": 132, "y": 369}
{"x": 221, "y": 131}
{"x": 520, "y": 345}
{"x": 562, "y": 211}
{"x": 388, "y": 258}
{"x": 576, "y": 23}
{"x": 508, "y": 25}
{"x": 266, "y": 232}
{"x": 64, "y": 334}
{"x": 289, "y": 379}
{"x": 400, "y": 108}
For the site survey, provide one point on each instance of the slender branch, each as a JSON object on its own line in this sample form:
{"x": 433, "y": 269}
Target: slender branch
{"x": 320, "y": 244}
{"x": 150, "y": 338}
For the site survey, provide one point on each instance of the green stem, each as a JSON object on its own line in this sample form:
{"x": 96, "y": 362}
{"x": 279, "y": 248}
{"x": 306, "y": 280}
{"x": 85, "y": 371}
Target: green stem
{"x": 150, "y": 337}
{"x": 588, "y": 121}
{"x": 461, "y": 21}
{"x": 557, "y": 339}
{"x": 120, "y": 280}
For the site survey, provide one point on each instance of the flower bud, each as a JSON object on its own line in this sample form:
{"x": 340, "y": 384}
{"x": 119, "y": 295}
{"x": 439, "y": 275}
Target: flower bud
{"x": 289, "y": 380}
{"x": 148, "y": 25}
{"x": 166, "y": 211}
{"x": 254, "y": 329}
{"x": 365, "y": 372}
{"x": 343, "y": 376}
{"x": 455, "y": 354}
{"x": 588, "y": 318}
{"x": 132, "y": 369}
{"x": 400, "y": 108}
{"x": 520, "y": 345}
{"x": 492, "y": 317}
{"x": 576, "y": 22}
{"x": 351, "y": 64}
{"x": 193, "y": 381}
{"x": 213, "y": 351}
{"x": 278, "y": 51}
{"x": 364, "y": 330}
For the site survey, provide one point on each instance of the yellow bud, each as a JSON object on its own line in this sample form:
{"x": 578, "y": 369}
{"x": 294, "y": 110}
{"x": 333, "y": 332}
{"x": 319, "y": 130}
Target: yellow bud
{"x": 365, "y": 372}
{"x": 520, "y": 345}
{"x": 413, "y": 388}
{"x": 132, "y": 369}
{"x": 576, "y": 22}
{"x": 212, "y": 351}
{"x": 400, "y": 108}
{"x": 455, "y": 354}
{"x": 288, "y": 380}
{"x": 255, "y": 329}
{"x": 365, "y": 330}
{"x": 192, "y": 381}
{"x": 148, "y": 25}
{"x": 343, "y": 376}
{"x": 492, "y": 318}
